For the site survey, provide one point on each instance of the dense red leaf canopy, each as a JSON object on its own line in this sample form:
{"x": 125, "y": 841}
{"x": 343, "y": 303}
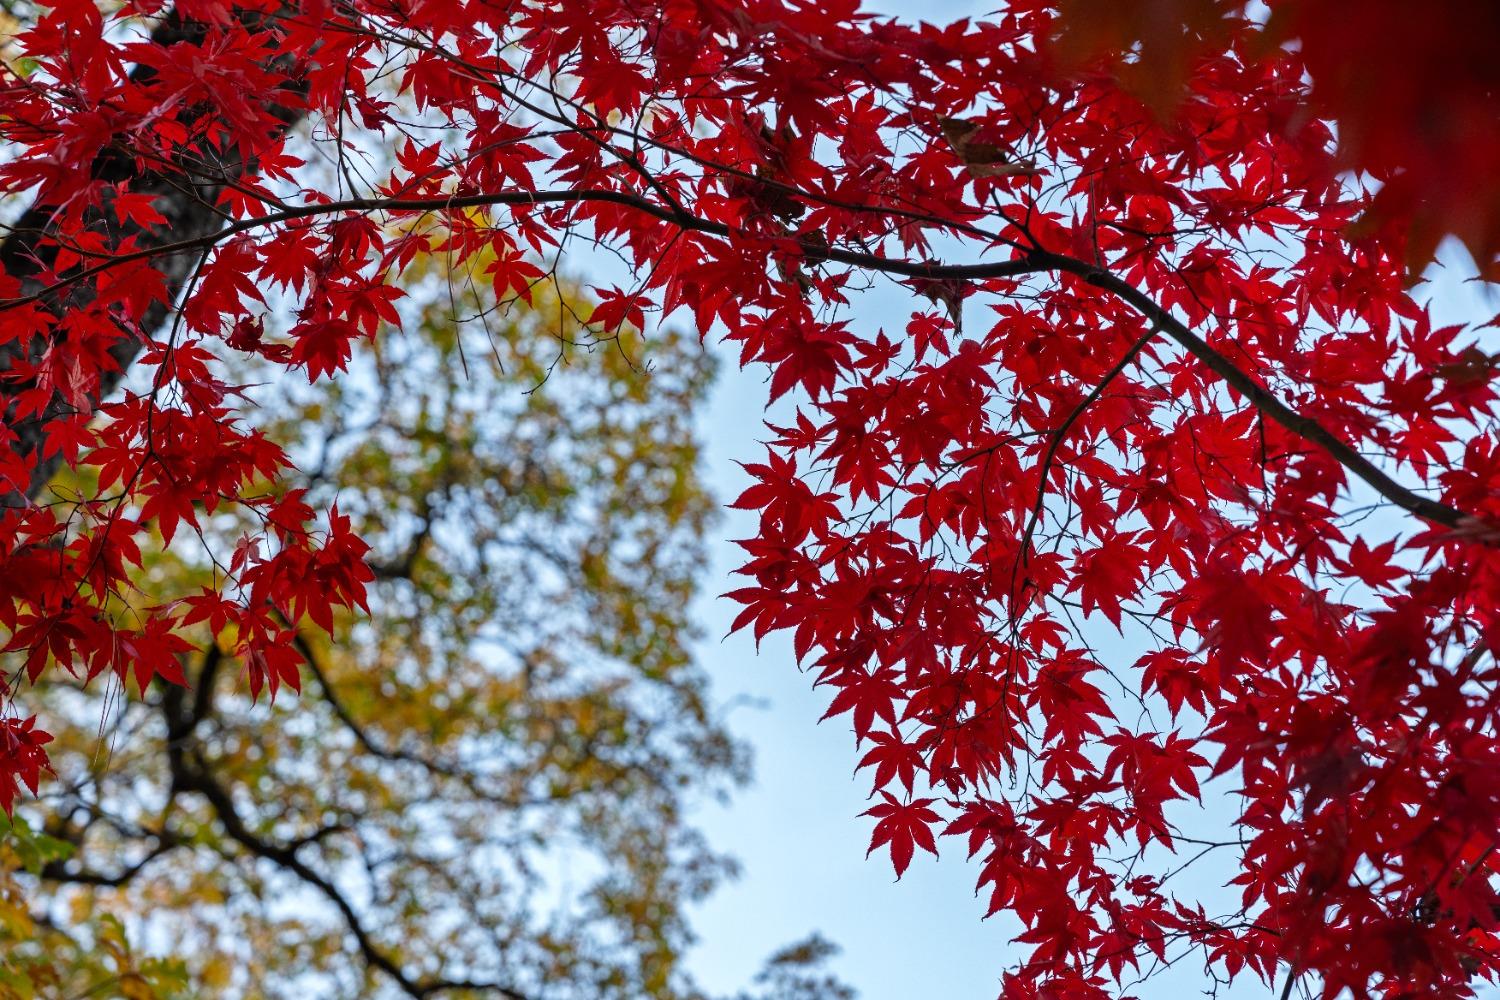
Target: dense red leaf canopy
{"x": 1166, "y": 490}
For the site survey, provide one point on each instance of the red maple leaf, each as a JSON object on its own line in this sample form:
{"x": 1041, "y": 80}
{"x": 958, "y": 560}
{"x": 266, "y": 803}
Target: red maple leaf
{"x": 903, "y": 826}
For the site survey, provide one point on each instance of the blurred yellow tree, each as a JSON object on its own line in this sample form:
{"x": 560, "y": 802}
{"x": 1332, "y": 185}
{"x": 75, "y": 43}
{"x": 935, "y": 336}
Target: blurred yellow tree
{"x": 482, "y": 789}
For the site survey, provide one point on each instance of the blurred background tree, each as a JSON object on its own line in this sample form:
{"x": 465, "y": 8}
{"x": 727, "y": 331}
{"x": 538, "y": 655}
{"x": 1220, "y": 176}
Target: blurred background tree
{"x": 483, "y": 788}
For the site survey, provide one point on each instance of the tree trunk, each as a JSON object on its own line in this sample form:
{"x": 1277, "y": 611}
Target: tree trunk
{"x": 185, "y": 196}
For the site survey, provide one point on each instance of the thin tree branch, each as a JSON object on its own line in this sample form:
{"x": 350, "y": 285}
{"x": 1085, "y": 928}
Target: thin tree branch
{"x": 58, "y": 871}
{"x": 194, "y": 777}
{"x": 1263, "y": 399}
{"x": 1035, "y": 262}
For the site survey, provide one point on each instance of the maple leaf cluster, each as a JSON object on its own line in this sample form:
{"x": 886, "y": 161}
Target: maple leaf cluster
{"x": 1156, "y": 369}
{"x": 1414, "y": 97}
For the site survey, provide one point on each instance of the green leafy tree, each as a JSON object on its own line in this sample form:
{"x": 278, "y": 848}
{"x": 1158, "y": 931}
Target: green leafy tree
{"x": 87, "y": 955}
{"x": 482, "y": 788}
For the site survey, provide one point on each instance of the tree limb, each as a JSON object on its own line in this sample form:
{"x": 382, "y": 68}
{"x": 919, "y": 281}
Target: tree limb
{"x": 190, "y": 774}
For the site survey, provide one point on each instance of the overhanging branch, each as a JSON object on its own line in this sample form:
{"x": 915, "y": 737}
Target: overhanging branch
{"x": 1267, "y": 402}
{"x": 1035, "y": 262}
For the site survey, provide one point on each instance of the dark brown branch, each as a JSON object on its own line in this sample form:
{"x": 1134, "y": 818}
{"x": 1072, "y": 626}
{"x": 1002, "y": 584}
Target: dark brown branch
{"x": 442, "y": 769}
{"x": 356, "y": 730}
{"x": 59, "y": 871}
{"x": 1262, "y": 398}
{"x": 450, "y": 203}
{"x": 1059, "y": 435}
{"x": 181, "y": 723}
{"x": 190, "y": 773}
{"x": 1036, "y": 262}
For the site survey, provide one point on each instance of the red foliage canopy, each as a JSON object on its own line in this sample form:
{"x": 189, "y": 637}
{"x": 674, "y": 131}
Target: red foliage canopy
{"x": 1162, "y": 360}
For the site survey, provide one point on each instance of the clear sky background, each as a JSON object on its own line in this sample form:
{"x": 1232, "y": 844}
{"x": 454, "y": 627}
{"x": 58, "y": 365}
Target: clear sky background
{"x": 797, "y": 829}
